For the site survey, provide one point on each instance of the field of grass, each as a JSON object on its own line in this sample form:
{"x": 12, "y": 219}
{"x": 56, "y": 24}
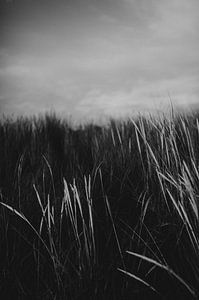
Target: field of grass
{"x": 96, "y": 212}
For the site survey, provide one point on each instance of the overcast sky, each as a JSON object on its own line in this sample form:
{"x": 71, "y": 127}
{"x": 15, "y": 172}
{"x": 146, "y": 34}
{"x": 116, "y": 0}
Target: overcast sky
{"x": 91, "y": 58}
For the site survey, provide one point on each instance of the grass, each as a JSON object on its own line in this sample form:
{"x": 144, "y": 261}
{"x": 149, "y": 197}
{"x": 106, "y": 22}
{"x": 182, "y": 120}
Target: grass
{"x": 99, "y": 212}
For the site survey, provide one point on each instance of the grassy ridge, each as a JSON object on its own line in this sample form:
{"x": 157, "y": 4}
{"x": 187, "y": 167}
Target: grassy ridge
{"x": 99, "y": 212}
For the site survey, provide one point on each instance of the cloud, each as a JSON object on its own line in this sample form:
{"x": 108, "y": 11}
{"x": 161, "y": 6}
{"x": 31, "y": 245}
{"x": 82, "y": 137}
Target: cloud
{"x": 149, "y": 97}
{"x": 99, "y": 57}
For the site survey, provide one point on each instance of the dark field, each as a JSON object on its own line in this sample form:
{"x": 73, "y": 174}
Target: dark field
{"x": 99, "y": 212}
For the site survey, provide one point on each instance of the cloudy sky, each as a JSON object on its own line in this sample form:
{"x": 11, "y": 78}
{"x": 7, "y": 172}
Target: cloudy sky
{"x": 94, "y": 58}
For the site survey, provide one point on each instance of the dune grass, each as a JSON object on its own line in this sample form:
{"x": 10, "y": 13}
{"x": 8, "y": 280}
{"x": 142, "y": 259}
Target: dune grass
{"x": 99, "y": 212}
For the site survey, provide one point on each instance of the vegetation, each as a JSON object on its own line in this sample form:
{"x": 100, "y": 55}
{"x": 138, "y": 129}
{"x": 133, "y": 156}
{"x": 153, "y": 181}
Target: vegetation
{"x": 96, "y": 212}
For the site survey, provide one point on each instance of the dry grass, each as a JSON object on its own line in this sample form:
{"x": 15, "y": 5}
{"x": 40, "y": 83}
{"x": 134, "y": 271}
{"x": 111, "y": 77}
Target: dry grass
{"x": 100, "y": 212}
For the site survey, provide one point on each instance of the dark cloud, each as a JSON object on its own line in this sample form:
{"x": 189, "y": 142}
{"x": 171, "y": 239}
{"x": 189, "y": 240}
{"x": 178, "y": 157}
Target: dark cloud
{"x": 113, "y": 53}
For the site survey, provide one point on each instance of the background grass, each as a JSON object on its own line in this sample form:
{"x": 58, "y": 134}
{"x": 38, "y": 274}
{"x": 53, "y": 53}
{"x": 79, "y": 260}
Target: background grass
{"x": 96, "y": 212}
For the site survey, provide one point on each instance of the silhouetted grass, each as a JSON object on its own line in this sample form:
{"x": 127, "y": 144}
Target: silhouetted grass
{"x": 94, "y": 212}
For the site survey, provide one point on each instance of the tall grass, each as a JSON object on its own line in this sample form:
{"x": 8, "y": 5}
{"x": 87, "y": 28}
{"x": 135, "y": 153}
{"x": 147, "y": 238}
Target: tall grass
{"x": 99, "y": 212}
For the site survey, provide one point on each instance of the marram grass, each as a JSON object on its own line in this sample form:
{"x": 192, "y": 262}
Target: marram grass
{"x": 94, "y": 212}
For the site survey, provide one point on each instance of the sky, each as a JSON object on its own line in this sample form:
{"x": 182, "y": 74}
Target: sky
{"x": 91, "y": 59}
